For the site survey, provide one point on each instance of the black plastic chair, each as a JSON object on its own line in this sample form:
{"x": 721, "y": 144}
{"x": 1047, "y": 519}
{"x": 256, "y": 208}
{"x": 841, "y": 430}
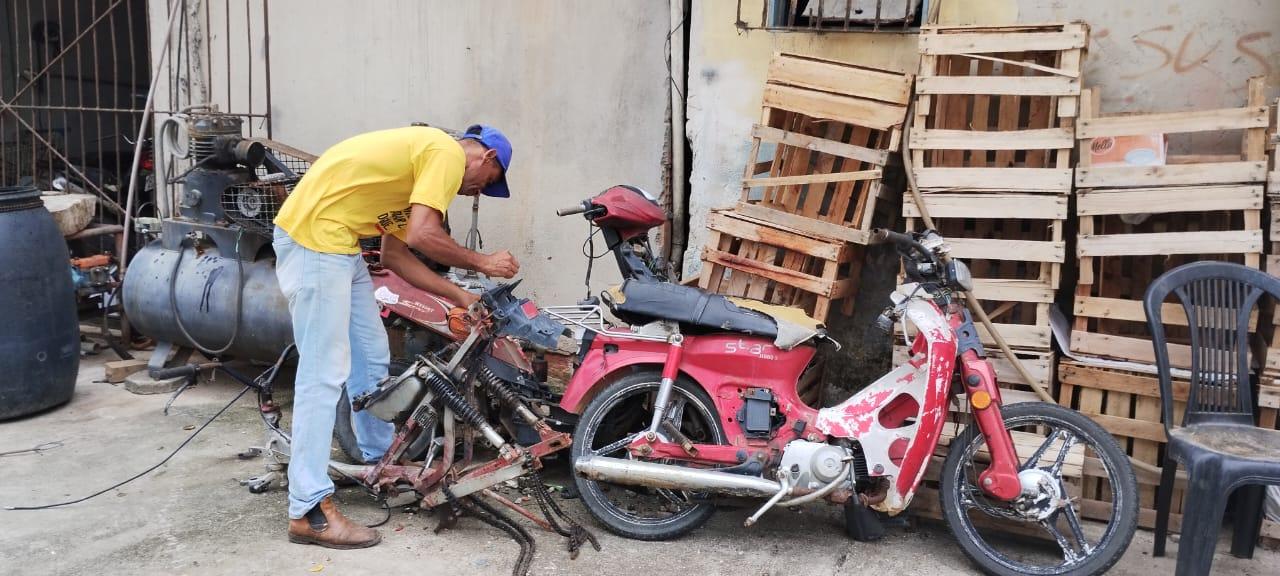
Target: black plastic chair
{"x": 1217, "y": 441}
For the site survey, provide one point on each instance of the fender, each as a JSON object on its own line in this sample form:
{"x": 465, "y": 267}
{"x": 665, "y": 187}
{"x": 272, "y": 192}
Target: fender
{"x": 598, "y": 367}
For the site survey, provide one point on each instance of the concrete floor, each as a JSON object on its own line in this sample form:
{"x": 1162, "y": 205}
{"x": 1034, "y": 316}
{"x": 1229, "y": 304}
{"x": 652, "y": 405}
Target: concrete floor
{"x": 191, "y": 517}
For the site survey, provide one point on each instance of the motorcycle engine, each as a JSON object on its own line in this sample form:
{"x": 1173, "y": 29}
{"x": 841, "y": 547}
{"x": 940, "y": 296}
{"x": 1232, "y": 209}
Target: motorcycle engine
{"x": 812, "y": 465}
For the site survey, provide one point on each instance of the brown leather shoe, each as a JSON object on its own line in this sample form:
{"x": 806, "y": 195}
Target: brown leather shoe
{"x": 331, "y": 529}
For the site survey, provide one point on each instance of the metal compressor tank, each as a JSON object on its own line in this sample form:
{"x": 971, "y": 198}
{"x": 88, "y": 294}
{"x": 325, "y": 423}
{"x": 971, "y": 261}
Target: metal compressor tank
{"x": 209, "y": 281}
{"x": 218, "y": 303}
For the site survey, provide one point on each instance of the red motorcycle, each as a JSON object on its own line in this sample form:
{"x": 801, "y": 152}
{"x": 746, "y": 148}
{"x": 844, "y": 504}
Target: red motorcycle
{"x": 695, "y": 397}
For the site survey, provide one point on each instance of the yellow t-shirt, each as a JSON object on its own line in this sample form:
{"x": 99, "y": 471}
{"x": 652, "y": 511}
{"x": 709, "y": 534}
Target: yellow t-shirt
{"x": 362, "y": 187}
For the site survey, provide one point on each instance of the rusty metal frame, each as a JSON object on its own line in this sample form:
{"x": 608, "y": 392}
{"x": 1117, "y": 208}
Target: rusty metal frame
{"x": 10, "y": 107}
{"x": 57, "y": 88}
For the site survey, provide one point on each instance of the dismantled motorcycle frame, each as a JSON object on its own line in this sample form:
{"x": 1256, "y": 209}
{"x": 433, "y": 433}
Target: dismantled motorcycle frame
{"x": 440, "y": 409}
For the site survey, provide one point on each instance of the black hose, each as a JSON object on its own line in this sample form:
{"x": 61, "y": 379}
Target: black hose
{"x": 177, "y": 316}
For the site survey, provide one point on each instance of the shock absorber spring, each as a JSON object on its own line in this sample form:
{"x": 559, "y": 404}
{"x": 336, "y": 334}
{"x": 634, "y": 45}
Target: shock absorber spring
{"x": 500, "y": 390}
{"x": 445, "y": 390}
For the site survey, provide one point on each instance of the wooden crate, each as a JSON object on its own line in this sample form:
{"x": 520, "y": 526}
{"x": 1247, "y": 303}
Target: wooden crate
{"x": 1040, "y": 363}
{"x": 1119, "y": 260}
{"x": 995, "y": 107}
{"x": 1136, "y": 222}
{"x": 1015, "y": 257}
{"x": 1247, "y": 167}
{"x": 991, "y": 144}
{"x": 1271, "y": 333}
{"x": 1126, "y": 404}
{"x": 756, "y": 259}
{"x": 809, "y": 190}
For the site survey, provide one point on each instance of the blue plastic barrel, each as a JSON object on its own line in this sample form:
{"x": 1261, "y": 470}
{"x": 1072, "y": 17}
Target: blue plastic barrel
{"x": 39, "y": 328}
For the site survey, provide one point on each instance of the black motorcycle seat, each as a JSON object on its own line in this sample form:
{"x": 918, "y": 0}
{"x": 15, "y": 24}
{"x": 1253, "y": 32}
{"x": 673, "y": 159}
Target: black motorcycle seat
{"x": 691, "y": 307}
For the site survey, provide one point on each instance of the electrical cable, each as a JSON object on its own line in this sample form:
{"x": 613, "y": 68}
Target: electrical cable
{"x": 144, "y": 472}
{"x": 287, "y": 438}
{"x": 589, "y": 251}
{"x": 173, "y": 299}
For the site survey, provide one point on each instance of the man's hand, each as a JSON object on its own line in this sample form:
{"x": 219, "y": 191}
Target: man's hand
{"x": 466, "y": 299}
{"x": 427, "y": 235}
{"x": 397, "y": 257}
{"x": 499, "y": 265}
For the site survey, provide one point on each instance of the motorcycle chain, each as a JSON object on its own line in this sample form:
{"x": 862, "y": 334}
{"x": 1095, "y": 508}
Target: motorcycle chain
{"x": 495, "y": 518}
{"x": 575, "y": 533}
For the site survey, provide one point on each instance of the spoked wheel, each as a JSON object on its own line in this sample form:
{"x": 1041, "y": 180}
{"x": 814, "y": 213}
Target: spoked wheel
{"x": 1044, "y": 531}
{"x": 611, "y": 421}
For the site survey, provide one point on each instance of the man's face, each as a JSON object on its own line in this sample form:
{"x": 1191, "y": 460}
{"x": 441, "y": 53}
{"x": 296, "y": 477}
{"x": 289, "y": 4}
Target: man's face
{"x": 480, "y": 172}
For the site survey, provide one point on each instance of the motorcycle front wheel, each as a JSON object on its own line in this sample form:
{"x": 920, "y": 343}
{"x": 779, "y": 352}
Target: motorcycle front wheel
{"x": 1045, "y": 531}
{"x": 618, "y": 414}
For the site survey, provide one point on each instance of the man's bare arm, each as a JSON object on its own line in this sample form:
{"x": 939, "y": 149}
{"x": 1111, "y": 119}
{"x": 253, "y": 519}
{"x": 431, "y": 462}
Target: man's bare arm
{"x": 427, "y": 235}
{"x": 397, "y": 257}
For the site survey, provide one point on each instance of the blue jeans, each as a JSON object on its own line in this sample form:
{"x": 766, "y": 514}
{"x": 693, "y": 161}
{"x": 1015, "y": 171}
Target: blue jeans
{"x": 340, "y": 339}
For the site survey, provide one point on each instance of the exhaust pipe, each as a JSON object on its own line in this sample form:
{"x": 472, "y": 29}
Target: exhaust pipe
{"x": 619, "y": 471}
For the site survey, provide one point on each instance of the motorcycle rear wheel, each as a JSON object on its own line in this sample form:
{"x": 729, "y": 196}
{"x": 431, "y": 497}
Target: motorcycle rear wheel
{"x": 624, "y": 408}
{"x": 984, "y": 527}
{"x": 344, "y": 426}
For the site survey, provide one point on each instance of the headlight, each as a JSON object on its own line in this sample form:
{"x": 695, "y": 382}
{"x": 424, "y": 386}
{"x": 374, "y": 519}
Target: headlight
{"x": 958, "y": 276}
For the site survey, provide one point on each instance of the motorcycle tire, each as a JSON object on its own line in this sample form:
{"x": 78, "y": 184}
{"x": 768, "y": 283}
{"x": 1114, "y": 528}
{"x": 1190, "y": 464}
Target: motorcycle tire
{"x": 1117, "y": 534}
{"x": 344, "y": 431}
{"x": 593, "y": 492}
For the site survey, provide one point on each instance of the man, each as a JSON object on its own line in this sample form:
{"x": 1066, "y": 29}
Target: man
{"x": 397, "y": 184}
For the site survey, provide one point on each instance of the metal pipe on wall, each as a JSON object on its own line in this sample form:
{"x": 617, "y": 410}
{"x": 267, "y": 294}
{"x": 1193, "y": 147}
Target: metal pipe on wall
{"x": 142, "y": 132}
{"x": 679, "y": 182}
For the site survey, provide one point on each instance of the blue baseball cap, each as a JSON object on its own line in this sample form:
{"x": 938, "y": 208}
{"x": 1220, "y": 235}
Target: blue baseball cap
{"x": 494, "y": 140}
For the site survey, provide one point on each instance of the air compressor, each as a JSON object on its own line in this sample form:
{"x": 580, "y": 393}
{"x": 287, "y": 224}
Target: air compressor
{"x": 207, "y": 279}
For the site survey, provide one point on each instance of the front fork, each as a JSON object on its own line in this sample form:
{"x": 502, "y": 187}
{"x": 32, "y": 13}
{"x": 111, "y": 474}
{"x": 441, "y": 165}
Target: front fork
{"x": 670, "y": 369}
{"x": 1000, "y": 479}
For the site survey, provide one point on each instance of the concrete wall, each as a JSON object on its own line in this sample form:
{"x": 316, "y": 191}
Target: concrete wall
{"x": 579, "y": 86}
{"x": 1159, "y": 55}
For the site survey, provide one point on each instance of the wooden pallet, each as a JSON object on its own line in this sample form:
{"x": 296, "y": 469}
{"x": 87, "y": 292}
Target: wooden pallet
{"x": 1142, "y": 221}
{"x": 1126, "y": 404}
{"x": 809, "y": 191}
{"x": 1014, "y": 248}
{"x": 995, "y": 107}
{"x": 1248, "y": 167}
{"x": 991, "y": 144}
{"x": 756, "y": 259}
{"x": 1271, "y": 330}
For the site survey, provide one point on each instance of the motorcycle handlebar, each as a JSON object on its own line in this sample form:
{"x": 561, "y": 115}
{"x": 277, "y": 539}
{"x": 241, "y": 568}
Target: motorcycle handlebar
{"x": 578, "y": 209}
{"x": 904, "y": 241}
{"x": 886, "y": 236}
